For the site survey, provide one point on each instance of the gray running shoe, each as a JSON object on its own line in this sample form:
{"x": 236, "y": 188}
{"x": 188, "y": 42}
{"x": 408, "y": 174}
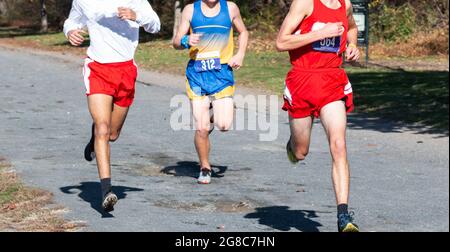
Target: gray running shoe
{"x": 109, "y": 200}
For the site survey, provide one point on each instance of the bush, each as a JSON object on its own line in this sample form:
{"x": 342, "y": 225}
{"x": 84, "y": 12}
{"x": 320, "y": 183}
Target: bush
{"x": 28, "y": 12}
{"x": 391, "y": 23}
{"x": 393, "y": 20}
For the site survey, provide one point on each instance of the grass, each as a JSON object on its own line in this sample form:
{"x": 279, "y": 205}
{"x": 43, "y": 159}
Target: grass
{"x": 25, "y": 209}
{"x": 401, "y": 96}
{"x": 262, "y": 69}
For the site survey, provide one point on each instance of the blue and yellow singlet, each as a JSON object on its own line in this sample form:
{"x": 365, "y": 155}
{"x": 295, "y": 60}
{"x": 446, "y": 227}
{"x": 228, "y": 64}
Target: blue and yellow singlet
{"x": 208, "y": 72}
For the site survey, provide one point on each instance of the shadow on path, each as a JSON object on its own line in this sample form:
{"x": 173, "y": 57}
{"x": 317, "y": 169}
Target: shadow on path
{"x": 192, "y": 169}
{"x": 90, "y": 192}
{"x": 283, "y": 219}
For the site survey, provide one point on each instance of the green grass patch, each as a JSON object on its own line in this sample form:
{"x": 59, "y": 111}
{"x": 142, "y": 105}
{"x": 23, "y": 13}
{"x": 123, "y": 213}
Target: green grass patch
{"x": 8, "y": 185}
{"x": 54, "y": 39}
{"x": 261, "y": 69}
{"x": 10, "y": 32}
{"x": 8, "y": 195}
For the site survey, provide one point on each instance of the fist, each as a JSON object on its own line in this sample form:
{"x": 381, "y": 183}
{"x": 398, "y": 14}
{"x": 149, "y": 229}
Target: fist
{"x": 76, "y": 37}
{"x": 331, "y": 30}
{"x": 126, "y": 14}
{"x": 236, "y": 62}
{"x": 352, "y": 53}
{"x": 194, "y": 39}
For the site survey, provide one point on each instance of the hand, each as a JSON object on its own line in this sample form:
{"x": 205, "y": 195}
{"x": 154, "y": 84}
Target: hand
{"x": 76, "y": 37}
{"x": 236, "y": 62}
{"x": 331, "y": 30}
{"x": 194, "y": 39}
{"x": 126, "y": 14}
{"x": 352, "y": 53}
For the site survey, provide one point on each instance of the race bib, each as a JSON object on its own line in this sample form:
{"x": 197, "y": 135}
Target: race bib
{"x": 207, "y": 62}
{"x": 332, "y": 45}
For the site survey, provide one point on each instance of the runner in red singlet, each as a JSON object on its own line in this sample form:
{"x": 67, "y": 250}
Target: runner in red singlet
{"x": 317, "y": 34}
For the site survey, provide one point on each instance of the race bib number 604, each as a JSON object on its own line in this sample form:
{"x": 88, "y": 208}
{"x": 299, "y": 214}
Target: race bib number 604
{"x": 328, "y": 45}
{"x": 332, "y": 45}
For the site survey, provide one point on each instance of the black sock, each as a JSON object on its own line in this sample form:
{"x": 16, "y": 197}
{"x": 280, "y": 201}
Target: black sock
{"x": 342, "y": 209}
{"x": 106, "y": 186}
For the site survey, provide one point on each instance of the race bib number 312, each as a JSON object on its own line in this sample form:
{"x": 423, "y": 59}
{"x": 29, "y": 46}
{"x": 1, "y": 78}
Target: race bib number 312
{"x": 207, "y": 65}
{"x": 208, "y": 61}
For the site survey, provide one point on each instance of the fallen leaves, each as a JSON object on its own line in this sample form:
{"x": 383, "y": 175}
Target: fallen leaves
{"x": 26, "y": 209}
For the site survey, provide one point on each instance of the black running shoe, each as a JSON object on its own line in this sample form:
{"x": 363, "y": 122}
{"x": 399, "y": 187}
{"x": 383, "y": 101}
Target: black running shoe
{"x": 346, "y": 224}
{"x": 109, "y": 200}
{"x": 89, "y": 151}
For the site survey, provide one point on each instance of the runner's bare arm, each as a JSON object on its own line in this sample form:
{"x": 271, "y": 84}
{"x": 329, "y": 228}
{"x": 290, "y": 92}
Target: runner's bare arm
{"x": 352, "y": 52}
{"x": 73, "y": 26}
{"x": 184, "y": 29}
{"x": 237, "y": 61}
{"x": 299, "y": 10}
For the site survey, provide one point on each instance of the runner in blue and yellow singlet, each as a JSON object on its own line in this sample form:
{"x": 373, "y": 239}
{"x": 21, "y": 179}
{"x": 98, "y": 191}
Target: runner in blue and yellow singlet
{"x": 206, "y": 29}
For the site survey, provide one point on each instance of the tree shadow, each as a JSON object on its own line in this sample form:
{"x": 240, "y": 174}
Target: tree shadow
{"x": 145, "y": 37}
{"x": 15, "y": 31}
{"x": 398, "y": 101}
{"x": 283, "y": 219}
{"x": 85, "y": 43}
{"x": 19, "y": 31}
{"x": 192, "y": 169}
{"x": 90, "y": 192}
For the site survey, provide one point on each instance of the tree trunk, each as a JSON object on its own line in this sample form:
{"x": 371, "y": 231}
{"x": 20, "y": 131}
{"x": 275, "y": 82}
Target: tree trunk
{"x": 177, "y": 18}
{"x": 3, "y": 10}
{"x": 44, "y": 17}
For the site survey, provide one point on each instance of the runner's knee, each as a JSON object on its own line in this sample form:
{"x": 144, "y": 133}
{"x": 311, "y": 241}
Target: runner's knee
{"x": 203, "y": 132}
{"x": 338, "y": 147}
{"x": 223, "y": 126}
{"x": 203, "y": 127}
{"x": 301, "y": 153}
{"x": 114, "y": 135}
{"x": 102, "y": 131}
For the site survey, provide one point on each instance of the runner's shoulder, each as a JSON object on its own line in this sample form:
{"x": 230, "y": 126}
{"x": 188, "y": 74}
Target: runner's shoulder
{"x": 188, "y": 10}
{"x": 348, "y": 5}
{"x": 303, "y": 6}
{"x": 189, "y": 7}
{"x": 232, "y": 7}
{"x": 304, "y": 3}
{"x": 80, "y": 3}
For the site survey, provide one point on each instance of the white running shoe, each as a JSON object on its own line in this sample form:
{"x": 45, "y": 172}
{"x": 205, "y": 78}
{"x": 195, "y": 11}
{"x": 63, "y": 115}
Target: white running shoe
{"x": 205, "y": 177}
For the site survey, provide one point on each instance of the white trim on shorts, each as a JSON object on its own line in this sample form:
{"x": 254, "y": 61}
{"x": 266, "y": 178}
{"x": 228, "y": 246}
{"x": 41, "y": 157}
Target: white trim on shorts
{"x": 87, "y": 74}
{"x": 287, "y": 94}
{"x": 348, "y": 89}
